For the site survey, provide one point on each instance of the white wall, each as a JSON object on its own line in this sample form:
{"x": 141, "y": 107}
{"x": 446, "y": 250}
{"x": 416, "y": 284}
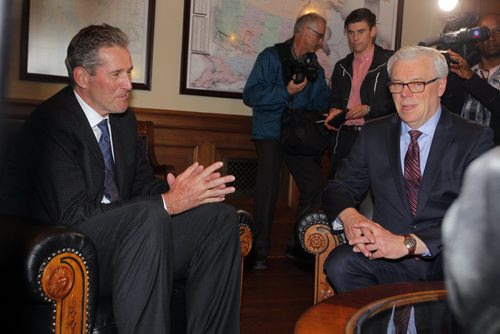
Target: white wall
{"x": 421, "y": 19}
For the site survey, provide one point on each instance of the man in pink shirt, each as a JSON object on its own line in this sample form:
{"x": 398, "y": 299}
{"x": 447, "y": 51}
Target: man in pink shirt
{"x": 358, "y": 84}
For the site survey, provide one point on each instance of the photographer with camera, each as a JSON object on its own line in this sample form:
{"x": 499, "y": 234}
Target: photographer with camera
{"x": 286, "y": 76}
{"x": 358, "y": 85}
{"x": 477, "y": 95}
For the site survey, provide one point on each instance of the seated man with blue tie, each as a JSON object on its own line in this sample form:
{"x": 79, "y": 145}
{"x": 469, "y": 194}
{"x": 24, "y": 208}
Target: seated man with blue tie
{"x": 413, "y": 162}
{"x": 80, "y": 163}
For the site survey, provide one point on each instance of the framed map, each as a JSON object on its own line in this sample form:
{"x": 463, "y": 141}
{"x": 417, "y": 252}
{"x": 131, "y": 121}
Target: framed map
{"x": 222, "y": 38}
{"x": 49, "y": 25}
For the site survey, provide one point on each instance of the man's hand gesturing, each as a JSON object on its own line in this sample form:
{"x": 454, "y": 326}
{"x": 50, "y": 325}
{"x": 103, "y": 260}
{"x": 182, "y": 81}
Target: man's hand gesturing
{"x": 195, "y": 186}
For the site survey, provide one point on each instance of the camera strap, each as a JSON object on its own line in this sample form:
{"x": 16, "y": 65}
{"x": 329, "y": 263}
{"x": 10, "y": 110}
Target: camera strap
{"x": 285, "y": 55}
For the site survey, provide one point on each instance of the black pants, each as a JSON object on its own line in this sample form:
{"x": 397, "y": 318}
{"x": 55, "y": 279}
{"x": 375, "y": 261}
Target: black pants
{"x": 141, "y": 250}
{"x": 306, "y": 171}
{"x": 340, "y": 144}
{"x": 347, "y": 270}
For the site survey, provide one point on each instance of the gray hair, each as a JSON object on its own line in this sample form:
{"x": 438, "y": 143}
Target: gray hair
{"x": 306, "y": 20}
{"x": 83, "y": 50}
{"x": 411, "y": 52}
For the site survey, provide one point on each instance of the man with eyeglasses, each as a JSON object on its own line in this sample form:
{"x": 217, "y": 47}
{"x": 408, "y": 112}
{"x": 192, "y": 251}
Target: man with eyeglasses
{"x": 478, "y": 96}
{"x": 273, "y": 87}
{"x": 413, "y": 162}
{"x": 358, "y": 84}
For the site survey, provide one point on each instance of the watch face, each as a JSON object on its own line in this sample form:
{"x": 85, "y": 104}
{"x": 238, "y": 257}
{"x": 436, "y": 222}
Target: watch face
{"x": 410, "y": 243}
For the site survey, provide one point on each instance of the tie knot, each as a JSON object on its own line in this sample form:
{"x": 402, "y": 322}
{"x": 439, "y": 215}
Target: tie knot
{"x": 103, "y": 126}
{"x": 414, "y": 135}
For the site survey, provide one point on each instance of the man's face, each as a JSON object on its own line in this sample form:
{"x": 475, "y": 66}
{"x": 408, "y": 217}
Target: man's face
{"x": 108, "y": 89}
{"x": 417, "y": 108}
{"x": 490, "y": 48}
{"x": 360, "y": 36}
{"x": 314, "y": 34}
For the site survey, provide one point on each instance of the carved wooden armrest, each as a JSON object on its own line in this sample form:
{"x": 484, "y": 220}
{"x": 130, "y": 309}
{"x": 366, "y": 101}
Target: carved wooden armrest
{"x": 246, "y": 233}
{"x": 60, "y": 269}
{"x": 316, "y": 237}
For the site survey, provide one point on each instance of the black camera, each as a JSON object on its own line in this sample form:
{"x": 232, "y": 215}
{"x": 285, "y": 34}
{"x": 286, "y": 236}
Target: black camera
{"x": 462, "y": 36}
{"x": 300, "y": 71}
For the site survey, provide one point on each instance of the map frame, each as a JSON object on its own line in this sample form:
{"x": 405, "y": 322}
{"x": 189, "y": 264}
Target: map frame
{"x": 196, "y": 11}
{"x": 32, "y": 21}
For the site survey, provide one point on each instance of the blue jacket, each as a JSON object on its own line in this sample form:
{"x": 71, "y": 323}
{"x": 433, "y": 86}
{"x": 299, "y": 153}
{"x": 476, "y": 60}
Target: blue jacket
{"x": 265, "y": 91}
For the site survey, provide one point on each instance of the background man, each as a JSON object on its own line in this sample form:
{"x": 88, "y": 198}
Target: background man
{"x": 358, "y": 84}
{"x": 270, "y": 90}
{"x": 477, "y": 96}
{"x": 414, "y": 163}
{"x": 80, "y": 163}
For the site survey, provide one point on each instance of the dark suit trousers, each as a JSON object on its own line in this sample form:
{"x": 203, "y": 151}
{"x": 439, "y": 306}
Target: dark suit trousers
{"x": 348, "y": 271}
{"x": 340, "y": 144}
{"x": 306, "y": 171}
{"x": 141, "y": 250}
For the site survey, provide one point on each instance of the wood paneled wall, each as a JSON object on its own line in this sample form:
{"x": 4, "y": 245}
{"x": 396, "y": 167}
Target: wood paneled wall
{"x": 183, "y": 137}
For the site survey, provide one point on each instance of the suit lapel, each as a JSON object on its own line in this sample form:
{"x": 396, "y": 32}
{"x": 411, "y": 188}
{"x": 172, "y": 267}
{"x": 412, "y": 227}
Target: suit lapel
{"x": 119, "y": 150}
{"x": 84, "y": 128}
{"x": 392, "y": 144}
{"x": 443, "y": 136}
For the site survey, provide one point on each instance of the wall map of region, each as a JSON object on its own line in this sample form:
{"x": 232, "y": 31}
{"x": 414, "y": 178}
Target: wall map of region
{"x": 225, "y": 37}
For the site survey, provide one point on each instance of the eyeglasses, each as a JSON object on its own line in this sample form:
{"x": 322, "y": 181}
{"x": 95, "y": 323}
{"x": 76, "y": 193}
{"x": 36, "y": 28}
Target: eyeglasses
{"x": 320, "y": 35}
{"x": 414, "y": 86}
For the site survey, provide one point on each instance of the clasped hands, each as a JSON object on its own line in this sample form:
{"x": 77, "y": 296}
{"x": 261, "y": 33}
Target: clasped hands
{"x": 370, "y": 238}
{"x": 195, "y": 186}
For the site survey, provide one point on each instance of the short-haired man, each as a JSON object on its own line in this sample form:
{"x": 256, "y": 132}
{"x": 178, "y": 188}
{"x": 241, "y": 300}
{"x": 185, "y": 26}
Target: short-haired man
{"x": 414, "y": 163}
{"x": 272, "y": 88}
{"x": 80, "y": 163}
{"x": 358, "y": 84}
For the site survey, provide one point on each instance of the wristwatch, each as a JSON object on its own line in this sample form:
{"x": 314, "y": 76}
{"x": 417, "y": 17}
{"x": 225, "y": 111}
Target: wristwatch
{"x": 410, "y": 243}
{"x": 368, "y": 109}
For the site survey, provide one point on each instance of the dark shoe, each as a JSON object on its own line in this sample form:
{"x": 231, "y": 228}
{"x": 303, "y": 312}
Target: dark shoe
{"x": 259, "y": 264}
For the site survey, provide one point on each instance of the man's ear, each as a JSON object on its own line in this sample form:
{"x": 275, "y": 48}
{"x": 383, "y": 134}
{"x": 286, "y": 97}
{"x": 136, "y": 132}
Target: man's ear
{"x": 442, "y": 86}
{"x": 81, "y": 76}
{"x": 373, "y": 32}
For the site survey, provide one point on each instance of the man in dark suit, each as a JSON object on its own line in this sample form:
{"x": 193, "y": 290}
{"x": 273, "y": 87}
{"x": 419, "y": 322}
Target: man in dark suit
{"x": 147, "y": 233}
{"x": 413, "y": 163}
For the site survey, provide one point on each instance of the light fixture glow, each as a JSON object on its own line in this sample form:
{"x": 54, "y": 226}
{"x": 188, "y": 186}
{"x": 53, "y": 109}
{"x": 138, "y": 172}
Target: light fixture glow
{"x": 448, "y": 5}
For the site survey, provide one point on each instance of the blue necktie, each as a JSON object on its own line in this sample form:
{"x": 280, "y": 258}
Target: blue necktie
{"x": 110, "y": 188}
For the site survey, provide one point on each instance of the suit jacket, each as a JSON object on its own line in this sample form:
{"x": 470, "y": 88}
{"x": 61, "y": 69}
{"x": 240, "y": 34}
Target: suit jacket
{"x": 56, "y": 171}
{"x": 374, "y": 163}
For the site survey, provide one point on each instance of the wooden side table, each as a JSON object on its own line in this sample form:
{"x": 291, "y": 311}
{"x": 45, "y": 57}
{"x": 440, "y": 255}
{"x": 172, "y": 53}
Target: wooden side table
{"x": 332, "y": 314}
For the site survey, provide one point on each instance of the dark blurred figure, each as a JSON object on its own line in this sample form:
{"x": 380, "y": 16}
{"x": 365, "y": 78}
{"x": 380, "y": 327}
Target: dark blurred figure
{"x": 471, "y": 231}
{"x": 9, "y": 280}
{"x": 475, "y": 94}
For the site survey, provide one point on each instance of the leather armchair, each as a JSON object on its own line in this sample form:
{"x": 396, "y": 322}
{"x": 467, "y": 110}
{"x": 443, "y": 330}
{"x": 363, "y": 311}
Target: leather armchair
{"x": 53, "y": 279}
{"x": 59, "y": 277}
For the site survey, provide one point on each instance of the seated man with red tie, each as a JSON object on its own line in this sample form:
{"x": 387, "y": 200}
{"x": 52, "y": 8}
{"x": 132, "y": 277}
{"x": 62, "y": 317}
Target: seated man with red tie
{"x": 413, "y": 162}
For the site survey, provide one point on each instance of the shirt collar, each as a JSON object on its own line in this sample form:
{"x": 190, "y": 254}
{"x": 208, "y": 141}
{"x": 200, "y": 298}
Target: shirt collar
{"x": 93, "y": 116}
{"x": 428, "y": 128}
{"x": 365, "y": 56}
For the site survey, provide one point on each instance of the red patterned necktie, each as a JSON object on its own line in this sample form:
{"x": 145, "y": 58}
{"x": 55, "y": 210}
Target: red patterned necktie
{"x": 412, "y": 175}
